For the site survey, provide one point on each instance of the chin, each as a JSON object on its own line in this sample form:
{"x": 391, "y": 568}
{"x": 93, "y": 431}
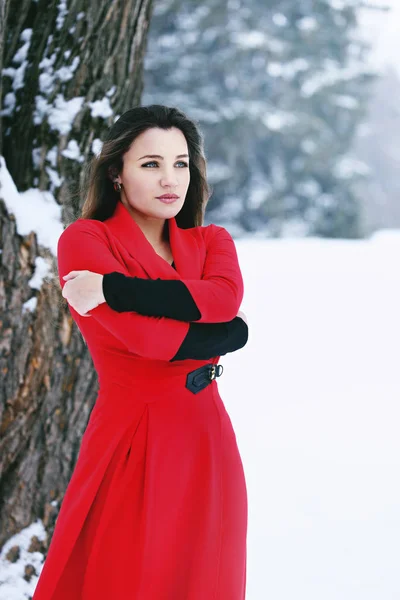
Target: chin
{"x": 169, "y": 210}
{"x": 160, "y": 210}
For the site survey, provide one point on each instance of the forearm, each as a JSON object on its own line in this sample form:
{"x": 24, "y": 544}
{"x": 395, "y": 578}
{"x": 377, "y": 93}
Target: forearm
{"x": 207, "y": 340}
{"x": 150, "y": 297}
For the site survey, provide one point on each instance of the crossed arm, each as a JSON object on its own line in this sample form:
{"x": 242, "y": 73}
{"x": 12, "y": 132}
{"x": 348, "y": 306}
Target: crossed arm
{"x": 163, "y": 297}
{"x": 165, "y": 309}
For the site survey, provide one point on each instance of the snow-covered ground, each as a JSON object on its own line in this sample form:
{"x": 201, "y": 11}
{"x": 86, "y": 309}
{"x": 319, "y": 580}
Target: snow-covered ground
{"x": 314, "y": 398}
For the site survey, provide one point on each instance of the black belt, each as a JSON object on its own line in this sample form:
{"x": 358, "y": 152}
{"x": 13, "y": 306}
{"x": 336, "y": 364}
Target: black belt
{"x": 200, "y": 378}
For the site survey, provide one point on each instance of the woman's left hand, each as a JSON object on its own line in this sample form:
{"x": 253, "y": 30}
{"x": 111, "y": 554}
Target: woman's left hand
{"x": 83, "y": 291}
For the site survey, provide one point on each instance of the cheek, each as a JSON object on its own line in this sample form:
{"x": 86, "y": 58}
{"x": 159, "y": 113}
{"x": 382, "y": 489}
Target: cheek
{"x": 185, "y": 178}
{"x": 138, "y": 182}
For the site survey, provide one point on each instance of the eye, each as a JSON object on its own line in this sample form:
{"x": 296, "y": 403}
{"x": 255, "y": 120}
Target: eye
{"x": 154, "y": 162}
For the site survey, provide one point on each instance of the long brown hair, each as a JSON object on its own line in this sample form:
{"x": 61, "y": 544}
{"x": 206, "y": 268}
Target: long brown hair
{"x": 101, "y": 197}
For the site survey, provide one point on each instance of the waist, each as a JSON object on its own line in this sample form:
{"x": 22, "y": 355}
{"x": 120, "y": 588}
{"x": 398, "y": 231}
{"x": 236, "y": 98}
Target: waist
{"x": 124, "y": 370}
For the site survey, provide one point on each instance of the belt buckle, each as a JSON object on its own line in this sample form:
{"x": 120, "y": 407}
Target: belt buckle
{"x": 200, "y": 378}
{"x": 216, "y": 371}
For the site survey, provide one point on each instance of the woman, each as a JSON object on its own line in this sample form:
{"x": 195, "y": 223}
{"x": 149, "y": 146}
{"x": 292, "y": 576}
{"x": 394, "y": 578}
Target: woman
{"x": 156, "y": 508}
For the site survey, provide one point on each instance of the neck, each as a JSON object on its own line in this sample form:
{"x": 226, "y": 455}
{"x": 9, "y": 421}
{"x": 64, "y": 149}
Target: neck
{"x": 154, "y": 229}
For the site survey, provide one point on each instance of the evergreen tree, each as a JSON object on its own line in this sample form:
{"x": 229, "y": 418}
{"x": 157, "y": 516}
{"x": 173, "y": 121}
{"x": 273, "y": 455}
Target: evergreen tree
{"x": 278, "y": 91}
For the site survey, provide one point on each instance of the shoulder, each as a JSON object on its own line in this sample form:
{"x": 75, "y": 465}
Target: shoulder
{"x": 82, "y": 235}
{"x": 210, "y": 233}
{"x": 83, "y": 226}
{"x": 217, "y": 238}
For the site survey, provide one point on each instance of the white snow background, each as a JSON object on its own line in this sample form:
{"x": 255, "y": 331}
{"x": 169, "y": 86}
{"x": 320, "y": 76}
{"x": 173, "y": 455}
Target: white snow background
{"x": 314, "y": 400}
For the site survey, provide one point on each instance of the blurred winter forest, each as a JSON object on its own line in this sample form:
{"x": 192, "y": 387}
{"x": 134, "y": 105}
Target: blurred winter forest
{"x": 300, "y": 130}
{"x": 296, "y": 119}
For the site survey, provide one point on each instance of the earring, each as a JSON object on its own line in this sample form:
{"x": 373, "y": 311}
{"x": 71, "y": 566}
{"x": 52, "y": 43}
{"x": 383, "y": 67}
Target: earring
{"x": 117, "y": 186}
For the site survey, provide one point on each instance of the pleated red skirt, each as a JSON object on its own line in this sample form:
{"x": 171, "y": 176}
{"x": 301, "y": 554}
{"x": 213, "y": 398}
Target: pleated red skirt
{"x": 156, "y": 508}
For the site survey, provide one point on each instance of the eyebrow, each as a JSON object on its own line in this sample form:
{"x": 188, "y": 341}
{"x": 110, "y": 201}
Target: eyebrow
{"x": 162, "y": 158}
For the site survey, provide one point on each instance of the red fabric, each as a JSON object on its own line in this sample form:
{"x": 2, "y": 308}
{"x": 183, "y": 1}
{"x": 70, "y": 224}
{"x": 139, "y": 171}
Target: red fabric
{"x": 156, "y": 508}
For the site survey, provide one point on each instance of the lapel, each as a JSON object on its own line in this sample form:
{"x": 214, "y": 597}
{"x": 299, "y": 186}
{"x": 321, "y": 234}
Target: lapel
{"x": 132, "y": 247}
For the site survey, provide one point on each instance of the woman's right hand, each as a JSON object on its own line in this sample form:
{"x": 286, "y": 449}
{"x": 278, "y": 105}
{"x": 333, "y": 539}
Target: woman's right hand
{"x": 242, "y": 316}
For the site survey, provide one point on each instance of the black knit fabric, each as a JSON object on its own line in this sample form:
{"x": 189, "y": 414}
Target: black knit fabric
{"x": 151, "y": 297}
{"x": 207, "y": 340}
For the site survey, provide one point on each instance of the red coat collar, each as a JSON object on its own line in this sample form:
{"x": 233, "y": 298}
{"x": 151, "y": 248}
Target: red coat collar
{"x": 184, "y": 245}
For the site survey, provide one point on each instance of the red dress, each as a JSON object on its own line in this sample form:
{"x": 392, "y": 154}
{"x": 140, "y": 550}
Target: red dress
{"x": 156, "y": 508}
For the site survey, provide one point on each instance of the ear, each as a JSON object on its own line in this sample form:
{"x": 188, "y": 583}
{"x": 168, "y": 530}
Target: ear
{"x": 113, "y": 173}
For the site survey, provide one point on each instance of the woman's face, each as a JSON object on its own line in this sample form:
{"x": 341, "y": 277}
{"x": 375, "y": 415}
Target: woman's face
{"x": 144, "y": 178}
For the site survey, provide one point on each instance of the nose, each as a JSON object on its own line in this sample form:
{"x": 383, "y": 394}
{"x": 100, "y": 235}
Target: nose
{"x": 169, "y": 177}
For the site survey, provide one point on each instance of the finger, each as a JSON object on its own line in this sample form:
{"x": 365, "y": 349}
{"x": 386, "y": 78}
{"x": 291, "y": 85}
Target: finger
{"x": 71, "y": 275}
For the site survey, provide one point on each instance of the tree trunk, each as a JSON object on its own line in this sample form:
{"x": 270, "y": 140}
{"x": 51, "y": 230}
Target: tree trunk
{"x": 56, "y": 61}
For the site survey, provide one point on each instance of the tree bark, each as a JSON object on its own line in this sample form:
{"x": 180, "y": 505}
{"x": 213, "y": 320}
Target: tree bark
{"x": 91, "y": 51}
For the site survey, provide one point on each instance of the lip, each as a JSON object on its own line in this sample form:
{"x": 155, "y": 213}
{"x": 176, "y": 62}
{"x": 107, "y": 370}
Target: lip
{"x": 168, "y": 197}
{"x": 167, "y": 200}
